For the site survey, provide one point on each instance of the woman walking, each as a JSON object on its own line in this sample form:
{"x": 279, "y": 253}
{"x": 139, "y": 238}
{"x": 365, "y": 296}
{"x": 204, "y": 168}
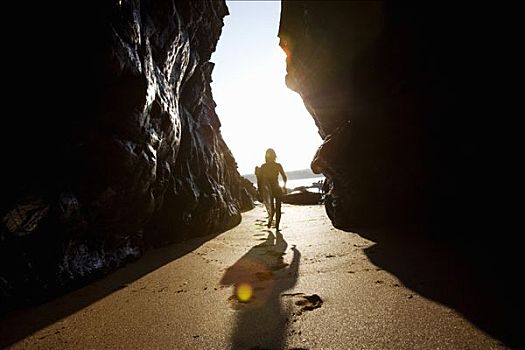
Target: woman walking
{"x": 269, "y": 176}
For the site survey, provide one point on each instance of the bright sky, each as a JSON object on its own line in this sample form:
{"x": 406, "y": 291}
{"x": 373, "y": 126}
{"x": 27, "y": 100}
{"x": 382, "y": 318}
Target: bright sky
{"x": 256, "y": 109}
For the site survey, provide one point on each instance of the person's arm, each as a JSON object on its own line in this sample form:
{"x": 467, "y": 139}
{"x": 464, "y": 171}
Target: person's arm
{"x": 283, "y": 175}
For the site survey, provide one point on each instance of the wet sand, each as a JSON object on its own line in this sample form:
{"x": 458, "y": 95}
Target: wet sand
{"x": 310, "y": 287}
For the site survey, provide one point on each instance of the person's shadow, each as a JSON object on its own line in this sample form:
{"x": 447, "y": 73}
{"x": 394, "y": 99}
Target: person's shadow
{"x": 259, "y": 278}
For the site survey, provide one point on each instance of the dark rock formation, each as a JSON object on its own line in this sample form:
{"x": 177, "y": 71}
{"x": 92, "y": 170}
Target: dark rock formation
{"x": 113, "y": 144}
{"x": 414, "y": 103}
{"x": 401, "y": 95}
{"x": 303, "y": 197}
{"x": 249, "y": 194}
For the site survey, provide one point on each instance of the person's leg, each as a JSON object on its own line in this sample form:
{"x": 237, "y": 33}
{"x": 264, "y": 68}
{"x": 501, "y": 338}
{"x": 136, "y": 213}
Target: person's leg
{"x": 272, "y": 211}
{"x": 277, "y": 212}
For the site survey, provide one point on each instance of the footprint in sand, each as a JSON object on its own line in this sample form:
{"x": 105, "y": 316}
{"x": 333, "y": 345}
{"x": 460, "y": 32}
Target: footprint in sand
{"x": 305, "y": 302}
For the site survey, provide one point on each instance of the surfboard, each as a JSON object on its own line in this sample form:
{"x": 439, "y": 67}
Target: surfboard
{"x": 264, "y": 191}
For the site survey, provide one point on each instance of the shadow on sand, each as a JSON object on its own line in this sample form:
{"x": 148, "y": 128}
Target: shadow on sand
{"x": 21, "y": 323}
{"x": 259, "y": 277}
{"x": 476, "y": 277}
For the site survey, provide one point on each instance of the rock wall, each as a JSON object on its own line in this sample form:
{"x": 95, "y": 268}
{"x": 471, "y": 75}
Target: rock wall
{"x": 417, "y": 106}
{"x": 404, "y": 96}
{"x": 113, "y": 145}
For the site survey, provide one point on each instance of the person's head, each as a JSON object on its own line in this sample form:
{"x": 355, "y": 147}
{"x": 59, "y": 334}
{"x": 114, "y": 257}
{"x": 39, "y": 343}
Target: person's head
{"x": 270, "y": 155}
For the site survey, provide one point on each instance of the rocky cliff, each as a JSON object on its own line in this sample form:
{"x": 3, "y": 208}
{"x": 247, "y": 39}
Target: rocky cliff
{"x": 113, "y": 144}
{"x": 404, "y": 96}
{"x": 415, "y": 103}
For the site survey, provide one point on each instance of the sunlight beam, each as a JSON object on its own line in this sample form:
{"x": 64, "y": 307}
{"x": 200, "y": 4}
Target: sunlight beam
{"x": 256, "y": 109}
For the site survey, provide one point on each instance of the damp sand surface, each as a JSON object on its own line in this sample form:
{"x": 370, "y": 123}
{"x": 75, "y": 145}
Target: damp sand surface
{"x": 310, "y": 286}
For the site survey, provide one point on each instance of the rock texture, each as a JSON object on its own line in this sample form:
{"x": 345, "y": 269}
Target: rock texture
{"x": 416, "y": 105}
{"x": 114, "y": 144}
{"x": 404, "y": 96}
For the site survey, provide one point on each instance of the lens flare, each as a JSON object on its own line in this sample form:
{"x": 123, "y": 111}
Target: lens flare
{"x": 244, "y": 292}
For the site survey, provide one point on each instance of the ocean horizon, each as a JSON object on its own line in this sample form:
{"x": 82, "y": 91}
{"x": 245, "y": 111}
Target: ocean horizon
{"x": 296, "y": 178}
{"x": 306, "y": 182}
{"x": 292, "y": 175}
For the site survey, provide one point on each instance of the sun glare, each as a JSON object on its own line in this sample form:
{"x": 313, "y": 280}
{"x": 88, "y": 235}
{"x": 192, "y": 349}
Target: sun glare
{"x": 244, "y": 292}
{"x": 256, "y": 109}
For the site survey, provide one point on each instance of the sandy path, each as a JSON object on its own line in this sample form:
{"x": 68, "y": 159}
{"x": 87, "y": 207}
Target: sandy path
{"x": 313, "y": 287}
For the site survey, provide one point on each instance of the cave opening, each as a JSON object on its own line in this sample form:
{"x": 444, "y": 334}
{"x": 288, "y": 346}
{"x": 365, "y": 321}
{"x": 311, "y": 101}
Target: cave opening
{"x": 256, "y": 109}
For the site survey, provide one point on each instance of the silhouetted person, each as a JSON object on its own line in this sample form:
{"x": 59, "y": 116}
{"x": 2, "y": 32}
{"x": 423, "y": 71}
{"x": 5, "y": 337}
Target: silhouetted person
{"x": 325, "y": 187}
{"x": 269, "y": 173}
